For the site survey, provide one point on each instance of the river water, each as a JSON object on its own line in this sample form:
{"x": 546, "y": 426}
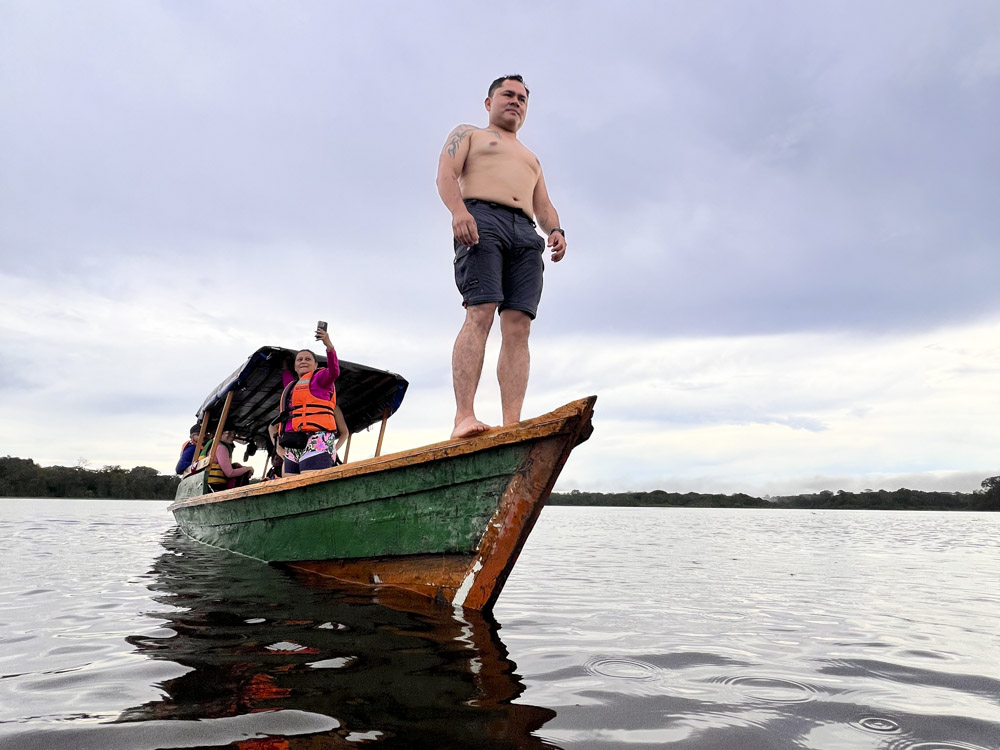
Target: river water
{"x": 620, "y": 628}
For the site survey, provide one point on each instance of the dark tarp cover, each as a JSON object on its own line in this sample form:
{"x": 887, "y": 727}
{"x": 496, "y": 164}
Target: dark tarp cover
{"x": 363, "y": 394}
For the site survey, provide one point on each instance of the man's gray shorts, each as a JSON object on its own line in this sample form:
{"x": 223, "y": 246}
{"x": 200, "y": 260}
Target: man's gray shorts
{"x": 506, "y": 265}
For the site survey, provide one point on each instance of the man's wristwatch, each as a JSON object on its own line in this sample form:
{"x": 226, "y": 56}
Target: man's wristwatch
{"x": 557, "y": 229}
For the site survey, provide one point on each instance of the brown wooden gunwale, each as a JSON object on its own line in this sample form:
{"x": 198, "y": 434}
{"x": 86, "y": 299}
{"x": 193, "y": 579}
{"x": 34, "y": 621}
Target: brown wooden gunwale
{"x": 543, "y": 426}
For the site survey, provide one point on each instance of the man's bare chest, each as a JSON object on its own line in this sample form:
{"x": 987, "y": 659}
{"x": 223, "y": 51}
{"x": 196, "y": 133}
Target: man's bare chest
{"x": 492, "y": 147}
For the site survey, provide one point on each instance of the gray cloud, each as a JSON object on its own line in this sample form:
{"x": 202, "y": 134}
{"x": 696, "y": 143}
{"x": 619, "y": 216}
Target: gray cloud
{"x": 721, "y": 173}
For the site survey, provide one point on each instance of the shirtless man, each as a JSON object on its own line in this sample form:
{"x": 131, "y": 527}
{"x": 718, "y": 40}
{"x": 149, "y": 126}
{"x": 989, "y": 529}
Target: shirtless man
{"x": 493, "y": 186}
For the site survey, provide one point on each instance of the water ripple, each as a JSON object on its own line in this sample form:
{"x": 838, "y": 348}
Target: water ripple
{"x": 876, "y": 724}
{"x": 624, "y": 669}
{"x": 770, "y": 689}
{"x": 725, "y": 616}
{"x": 944, "y": 745}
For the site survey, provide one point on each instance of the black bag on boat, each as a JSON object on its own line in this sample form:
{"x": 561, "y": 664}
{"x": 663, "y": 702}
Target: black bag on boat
{"x": 294, "y": 440}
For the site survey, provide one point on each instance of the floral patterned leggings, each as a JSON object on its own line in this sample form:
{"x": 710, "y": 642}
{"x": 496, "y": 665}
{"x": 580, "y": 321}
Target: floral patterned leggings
{"x": 320, "y": 453}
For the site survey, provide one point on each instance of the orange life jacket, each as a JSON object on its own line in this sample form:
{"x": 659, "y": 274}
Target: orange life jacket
{"x": 309, "y": 413}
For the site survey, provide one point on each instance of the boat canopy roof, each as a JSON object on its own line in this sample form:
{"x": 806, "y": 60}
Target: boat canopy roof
{"x": 364, "y": 394}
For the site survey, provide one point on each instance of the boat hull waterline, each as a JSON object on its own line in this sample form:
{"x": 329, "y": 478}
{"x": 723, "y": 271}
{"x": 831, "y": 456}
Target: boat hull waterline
{"x": 445, "y": 521}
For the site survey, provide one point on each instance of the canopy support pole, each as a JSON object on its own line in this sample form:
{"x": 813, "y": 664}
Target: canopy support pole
{"x": 198, "y": 443}
{"x": 221, "y": 426}
{"x": 381, "y": 433}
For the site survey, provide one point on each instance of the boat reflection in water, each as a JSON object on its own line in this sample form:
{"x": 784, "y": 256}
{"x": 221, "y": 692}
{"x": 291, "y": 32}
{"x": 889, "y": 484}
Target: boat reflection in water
{"x": 283, "y": 662}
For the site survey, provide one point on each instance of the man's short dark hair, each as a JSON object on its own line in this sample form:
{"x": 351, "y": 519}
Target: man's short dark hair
{"x": 499, "y": 82}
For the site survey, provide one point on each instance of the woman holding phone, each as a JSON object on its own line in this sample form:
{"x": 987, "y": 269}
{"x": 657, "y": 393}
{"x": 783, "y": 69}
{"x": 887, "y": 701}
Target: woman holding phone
{"x": 308, "y": 423}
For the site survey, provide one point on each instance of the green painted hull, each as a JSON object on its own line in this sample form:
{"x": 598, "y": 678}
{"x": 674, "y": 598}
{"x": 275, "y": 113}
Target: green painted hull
{"x": 430, "y": 508}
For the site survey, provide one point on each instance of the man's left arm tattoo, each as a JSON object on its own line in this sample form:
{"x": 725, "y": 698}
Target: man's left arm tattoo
{"x": 456, "y": 138}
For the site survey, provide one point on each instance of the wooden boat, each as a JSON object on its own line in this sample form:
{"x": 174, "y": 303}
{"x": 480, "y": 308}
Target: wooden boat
{"x": 445, "y": 521}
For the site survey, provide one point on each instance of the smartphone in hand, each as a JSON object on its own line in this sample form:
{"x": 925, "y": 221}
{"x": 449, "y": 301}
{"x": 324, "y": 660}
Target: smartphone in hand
{"x": 320, "y": 326}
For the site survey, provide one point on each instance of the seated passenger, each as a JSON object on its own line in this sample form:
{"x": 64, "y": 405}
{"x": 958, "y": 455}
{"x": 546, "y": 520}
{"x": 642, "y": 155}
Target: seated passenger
{"x": 187, "y": 450}
{"x": 307, "y": 407}
{"x": 222, "y": 473}
{"x": 274, "y": 467}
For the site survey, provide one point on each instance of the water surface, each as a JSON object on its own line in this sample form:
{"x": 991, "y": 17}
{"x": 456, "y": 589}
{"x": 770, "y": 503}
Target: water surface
{"x": 619, "y": 628}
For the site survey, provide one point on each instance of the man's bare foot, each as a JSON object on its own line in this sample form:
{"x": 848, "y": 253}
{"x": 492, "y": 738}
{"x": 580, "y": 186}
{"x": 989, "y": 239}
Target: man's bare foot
{"x": 468, "y": 427}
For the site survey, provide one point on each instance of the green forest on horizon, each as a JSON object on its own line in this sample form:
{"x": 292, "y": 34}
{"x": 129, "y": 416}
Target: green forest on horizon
{"x": 988, "y": 498}
{"x": 23, "y": 478}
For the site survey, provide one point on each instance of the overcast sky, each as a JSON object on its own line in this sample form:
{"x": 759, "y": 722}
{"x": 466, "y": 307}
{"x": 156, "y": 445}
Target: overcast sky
{"x": 783, "y": 225}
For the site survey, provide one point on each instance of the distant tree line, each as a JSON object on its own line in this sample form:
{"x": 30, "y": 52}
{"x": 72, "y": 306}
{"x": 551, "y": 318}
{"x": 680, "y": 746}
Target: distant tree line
{"x": 901, "y": 499}
{"x": 22, "y": 477}
{"x": 658, "y": 498}
{"x": 987, "y": 498}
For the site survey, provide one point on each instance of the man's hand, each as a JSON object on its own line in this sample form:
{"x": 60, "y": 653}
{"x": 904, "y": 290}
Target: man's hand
{"x": 464, "y": 227}
{"x": 558, "y": 244}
